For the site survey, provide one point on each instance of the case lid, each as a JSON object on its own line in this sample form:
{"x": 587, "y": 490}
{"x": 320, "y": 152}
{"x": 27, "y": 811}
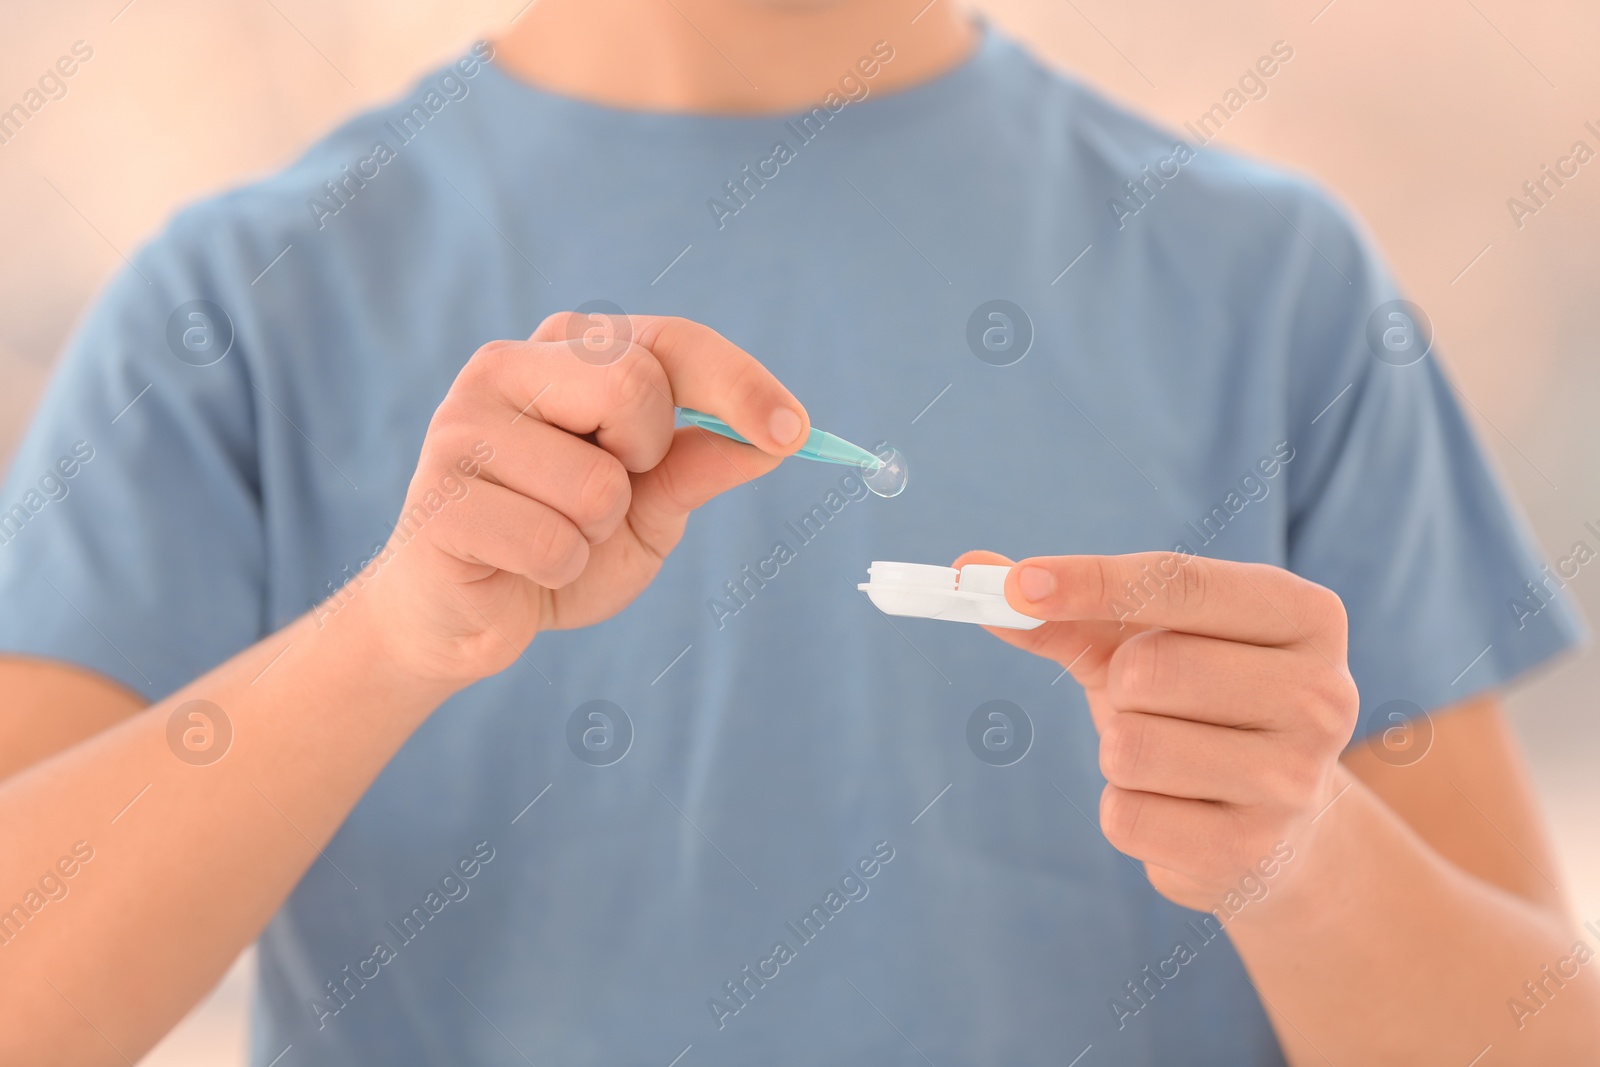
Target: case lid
{"x": 975, "y": 593}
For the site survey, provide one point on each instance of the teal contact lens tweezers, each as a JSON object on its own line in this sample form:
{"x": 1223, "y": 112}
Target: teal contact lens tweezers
{"x": 820, "y": 445}
{"x": 884, "y": 472}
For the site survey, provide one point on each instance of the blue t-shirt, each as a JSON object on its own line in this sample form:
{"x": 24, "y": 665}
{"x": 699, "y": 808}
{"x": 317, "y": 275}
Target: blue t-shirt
{"x": 772, "y": 825}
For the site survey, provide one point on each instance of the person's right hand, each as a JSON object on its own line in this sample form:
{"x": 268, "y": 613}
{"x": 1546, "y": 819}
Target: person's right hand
{"x": 576, "y": 486}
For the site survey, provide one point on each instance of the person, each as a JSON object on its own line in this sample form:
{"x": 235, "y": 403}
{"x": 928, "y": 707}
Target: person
{"x": 342, "y": 618}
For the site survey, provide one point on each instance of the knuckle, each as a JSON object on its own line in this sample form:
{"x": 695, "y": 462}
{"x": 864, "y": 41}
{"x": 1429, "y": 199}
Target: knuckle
{"x": 1330, "y": 607}
{"x": 636, "y": 378}
{"x": 1119, "y": 817}
{"x": 670, "y": 331}
{"x": 491, "y": 358}
{"x": 689, "y": 331}
{"x": 572, "y": 565}
{"x": 499, "y": 368}
{"x": 1122, "y": 747}
{"x": 1098, "y": 582}
{"x": 1337, "y": 705}
{"x": 1328, "y": 701}
{"x": 1322, "y": 606}
{"x": 1191, "y": 589}
{"x": 451, "y": 410}
{"x": 604, "y": 491}
{"x": 667, "y": 485}
{"x": 1349, "y": 703}
{"x": 542, "y": 543}
{"x": 1320, "y": 610}
{"x": 1140, "y": 665}
{"x": 554, "y": 544}
{"x": 748, "y": 385}
{"x": 554, "y": 326}
{"x": 449, "y": 436}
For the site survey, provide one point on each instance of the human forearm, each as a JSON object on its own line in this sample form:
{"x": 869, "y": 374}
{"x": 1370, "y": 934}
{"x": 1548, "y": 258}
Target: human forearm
{"x": 1224, "y": 712}
{"x": 80, "y": 704}
{"x": 1372, "y": 925}
{"x": 520, "y": 517}
{"x": 189, "y": 861}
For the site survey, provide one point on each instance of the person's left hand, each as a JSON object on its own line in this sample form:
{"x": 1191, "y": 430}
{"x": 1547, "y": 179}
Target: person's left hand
{"x": 1220, "y": 694}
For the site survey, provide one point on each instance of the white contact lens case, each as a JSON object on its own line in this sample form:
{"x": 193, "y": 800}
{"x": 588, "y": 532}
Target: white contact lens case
{"x": 975, "y": 593}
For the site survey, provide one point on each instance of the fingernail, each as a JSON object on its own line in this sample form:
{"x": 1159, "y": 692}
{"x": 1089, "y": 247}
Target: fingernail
{"x": 784, "y": 426}
{"x": 1036, "y": 583}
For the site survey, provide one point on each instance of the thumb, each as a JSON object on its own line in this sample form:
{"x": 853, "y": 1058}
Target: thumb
{"x": 1083, "y": 647}
{"x": 697, "y": 467}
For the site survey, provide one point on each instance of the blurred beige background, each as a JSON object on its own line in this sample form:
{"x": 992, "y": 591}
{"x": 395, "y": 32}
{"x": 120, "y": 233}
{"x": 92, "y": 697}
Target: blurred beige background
{"x": 1424, "y": 116}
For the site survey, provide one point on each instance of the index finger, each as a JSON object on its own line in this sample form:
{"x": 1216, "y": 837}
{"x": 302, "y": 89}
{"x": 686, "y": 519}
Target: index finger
{"x": 708, "y": 372}
{"x": 1253, "y": 603}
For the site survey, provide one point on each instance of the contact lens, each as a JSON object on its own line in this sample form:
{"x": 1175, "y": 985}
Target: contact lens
{"x": 888, "y": 477}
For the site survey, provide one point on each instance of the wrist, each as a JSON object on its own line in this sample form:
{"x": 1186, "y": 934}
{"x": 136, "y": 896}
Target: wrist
{"x": 363, "y": 635}
{"x": 1312, "y": 885}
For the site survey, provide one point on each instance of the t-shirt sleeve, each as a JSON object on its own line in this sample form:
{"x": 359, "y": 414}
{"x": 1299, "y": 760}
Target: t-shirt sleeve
{"x": 131, "y": 540}
{"x": 1392, "y": 504}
